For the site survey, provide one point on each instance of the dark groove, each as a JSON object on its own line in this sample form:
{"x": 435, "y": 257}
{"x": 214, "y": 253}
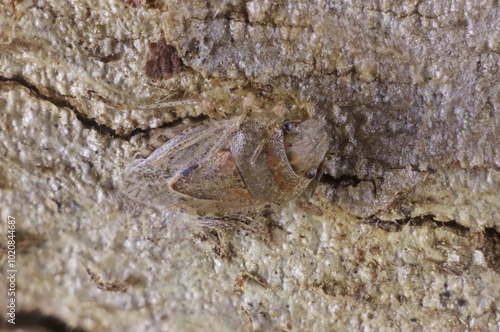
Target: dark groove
{"x": 490, "y": 245}
{"x": 397, "y": 224}
{"x": 491, "y": 248}
{"x": 342, "y": 181}
{"x": 88, "y": 123}
{"x": 36, "y": 321}
{"x": 59, "y": 101}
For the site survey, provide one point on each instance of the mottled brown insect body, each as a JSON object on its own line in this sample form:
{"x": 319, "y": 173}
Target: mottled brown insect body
{"x": 218, "y": 167}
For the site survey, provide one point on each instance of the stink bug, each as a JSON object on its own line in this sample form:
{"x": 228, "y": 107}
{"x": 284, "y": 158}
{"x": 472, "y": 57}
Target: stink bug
{"x": 222, "y": 166}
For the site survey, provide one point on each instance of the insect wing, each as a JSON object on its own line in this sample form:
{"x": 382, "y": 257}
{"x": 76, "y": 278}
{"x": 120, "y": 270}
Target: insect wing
{"x": 148, "y": 184}
{"x": 148, "y": 180}
{"x": 193, "y": 145}
{"x": 216, "y": 178}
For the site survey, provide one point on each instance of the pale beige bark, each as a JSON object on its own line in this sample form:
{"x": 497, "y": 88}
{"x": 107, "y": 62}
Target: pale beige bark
{"x": 409, "y": 91}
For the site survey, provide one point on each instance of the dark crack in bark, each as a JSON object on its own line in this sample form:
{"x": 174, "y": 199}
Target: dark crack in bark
{"x": 36, "y": 320}
{"x": 59, "y": 101}
{"x": 429, "y": 219}
{"x": 56, "y": 99}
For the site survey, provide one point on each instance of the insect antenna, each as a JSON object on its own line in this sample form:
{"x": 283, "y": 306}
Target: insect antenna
{"x": 150, "y": 105}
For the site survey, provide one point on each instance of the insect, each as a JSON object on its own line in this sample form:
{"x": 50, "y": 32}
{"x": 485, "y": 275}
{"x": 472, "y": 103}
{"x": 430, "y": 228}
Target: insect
{"x": 221, "y": 166}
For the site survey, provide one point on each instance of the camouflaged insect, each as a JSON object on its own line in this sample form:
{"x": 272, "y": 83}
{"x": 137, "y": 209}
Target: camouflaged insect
{"x": 227, "y": 165}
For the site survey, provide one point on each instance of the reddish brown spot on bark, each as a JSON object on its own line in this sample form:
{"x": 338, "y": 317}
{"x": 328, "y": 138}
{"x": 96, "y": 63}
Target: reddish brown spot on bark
{"x": 163, "y": 61}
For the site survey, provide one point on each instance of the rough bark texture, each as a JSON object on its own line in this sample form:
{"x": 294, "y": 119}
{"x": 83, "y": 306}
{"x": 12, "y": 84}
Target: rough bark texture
{"x": 408, "y": 90}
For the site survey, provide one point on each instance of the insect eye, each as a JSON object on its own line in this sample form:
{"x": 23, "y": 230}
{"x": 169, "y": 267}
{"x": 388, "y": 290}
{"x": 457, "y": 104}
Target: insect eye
{"x": 311, "y": 174}
{"x": 289, "y": 126}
